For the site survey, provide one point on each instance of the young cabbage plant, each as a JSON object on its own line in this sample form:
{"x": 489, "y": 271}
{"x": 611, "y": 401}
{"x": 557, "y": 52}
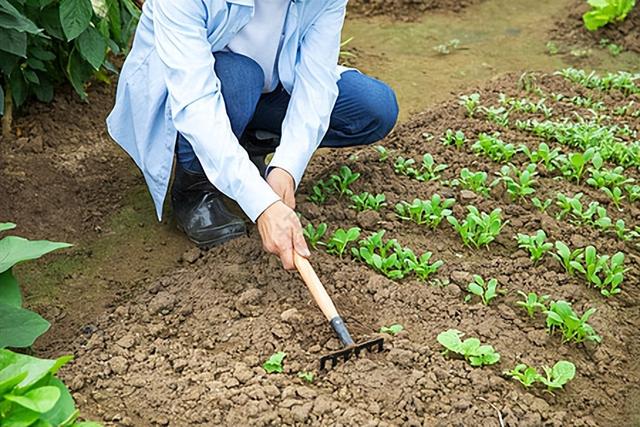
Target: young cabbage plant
{"x": 430, "y": 171}
{"x": 536, "y": 244}
{"x": 524, "y": 374}
{"x": 307, "y": 377}
{"x": 532, "y": 303}
{"x": 470, "y": 103}
{"x": 474, "y": 181}
{"x": 368, "y": 201}
{"x": 603, "y": 271}
{"x": 575, "y": 165}
{"x": 471, "y": 349}
{"x": 274, "y": 363}
{"x": 338, "y": 243}
{"x": 456, "y": 138}
{"x": 487, "y": 291}
{"x": 569, "y": 259}
{"x": 557, "y": 377}
{"x": 573, "y": 327}
{"x": 422, "y": 266}
{"x": 428, "y": 212}
{"x": 405, "y": 167}
{"x": 478, "y": 228}
{"x": 343, "y": 180}
{"x": 313, "y": 235}
{"x": 616, "y": 195}
{"x": 522, "y": 185}
{"x": 383, "y": 153}
{"x": 604, "y": 12}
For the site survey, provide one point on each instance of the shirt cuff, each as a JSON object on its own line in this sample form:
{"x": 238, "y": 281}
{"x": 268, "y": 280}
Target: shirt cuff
{"x": 293, "y": 162}
{"x": 255, "y": 197}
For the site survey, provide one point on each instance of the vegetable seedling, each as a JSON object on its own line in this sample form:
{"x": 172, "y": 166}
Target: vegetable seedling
{"x": 569, "y": 259}
{"x": 383, "y": 153}
{"x": 494, "y": 148}
{"x": 368, "y": 201}
{"x": 561, "y": 316}
{"x": 557, "y": 377}
{"x": 306, "y": 376}
{"x": 471, "y": 349}
{"x": 320, "y": 192}
{"x": 313, "y": 235}
{"x": 525, "y": 375}
{"x": 456, "y": 138}
{"x": 478, "y": 228}
{"x": 392, "y": 330}
{"x": 343, "y": 180}
{"x": 532, "y": 303}
{"x": 536, "y": 244}
{"x": 430, "y": 171}
{"x": 341, "y": 239}
{"x": 274, "y": 363}
{"x": 474, "y": 181}
{"x": 522, "y": 185}
{"x": 422, "y": 266}
{"x": 470, "y": 103}
{"x": 487, "y": 291}
{"x": 542, "y": 206}
{"x": 543, "y": 155}
{"x": 602, "y": 271}
{"x": 405, "y": 167}
{"x": 429, "y": 212}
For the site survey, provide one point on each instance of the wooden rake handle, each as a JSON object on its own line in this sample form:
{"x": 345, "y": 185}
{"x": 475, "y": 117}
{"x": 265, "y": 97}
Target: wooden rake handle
{"x": 315, "y": 286}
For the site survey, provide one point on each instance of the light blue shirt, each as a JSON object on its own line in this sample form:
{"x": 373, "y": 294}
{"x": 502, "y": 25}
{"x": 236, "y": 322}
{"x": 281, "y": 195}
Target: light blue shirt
{"x": 261, "y": 38}
{"x": 168, "y": 85}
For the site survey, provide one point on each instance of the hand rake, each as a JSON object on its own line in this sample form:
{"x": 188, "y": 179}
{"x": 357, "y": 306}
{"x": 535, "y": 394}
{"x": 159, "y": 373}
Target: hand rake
{"x": 322, "y": 298}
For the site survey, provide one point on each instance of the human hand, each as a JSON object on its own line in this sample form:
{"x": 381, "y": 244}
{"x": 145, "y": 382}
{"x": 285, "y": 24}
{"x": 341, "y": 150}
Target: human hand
{"x": 282, "y": 183}
{"x": 281, "y": 233}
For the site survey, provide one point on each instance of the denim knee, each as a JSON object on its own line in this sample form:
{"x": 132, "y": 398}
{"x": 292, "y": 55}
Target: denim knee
{"x": 385, "y": 110}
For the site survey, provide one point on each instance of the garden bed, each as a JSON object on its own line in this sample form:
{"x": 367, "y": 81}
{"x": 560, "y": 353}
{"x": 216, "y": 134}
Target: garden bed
{"x": 570, "y": 29}
{"x": 188, "y": 348}
{"x": 405, "y": 9}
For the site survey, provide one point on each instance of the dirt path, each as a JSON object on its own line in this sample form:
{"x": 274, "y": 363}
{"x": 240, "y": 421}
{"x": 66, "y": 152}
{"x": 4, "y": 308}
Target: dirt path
{"x": 200, "y": 334}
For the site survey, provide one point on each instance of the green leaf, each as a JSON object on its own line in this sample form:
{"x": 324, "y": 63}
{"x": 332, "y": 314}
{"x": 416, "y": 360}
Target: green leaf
{"x": 20, "y": 417}
{"x": 78, "y": 72}
{"x": 9, "y": 290}
{"x": 20, "y": 327}
{"x": 16, "y": 249}
{"x": 392, "y": 330}
{"x": 75, "y": 16}
{"x": 14, "y": 42}
{"x": 50, "y": 20}
{"x": 274, "y": 363}
{"x": 563, "y": 371}
{"x": 450, "y": 340}
{"x": 36, "y": 368}
{"x": 475, "y": 289}
{"x": 11, "y": 377}
{"x": 64, "y": 412}
{"x": 11, "y": 18}
{"x": 4, "y": 226}
{"x": 92, "y": 47}
{"x": 41, "y": 399}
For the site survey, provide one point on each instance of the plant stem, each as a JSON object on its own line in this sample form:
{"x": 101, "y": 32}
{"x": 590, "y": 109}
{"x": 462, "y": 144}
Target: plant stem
{"x": 7, "y": 118}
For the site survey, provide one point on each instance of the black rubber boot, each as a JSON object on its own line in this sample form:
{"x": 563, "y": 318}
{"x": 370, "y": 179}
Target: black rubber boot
{"x": 200, "y": 210}
{"x": 259, "y": 144}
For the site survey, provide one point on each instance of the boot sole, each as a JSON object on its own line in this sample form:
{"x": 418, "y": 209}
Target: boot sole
{"x": 206, "y": 245}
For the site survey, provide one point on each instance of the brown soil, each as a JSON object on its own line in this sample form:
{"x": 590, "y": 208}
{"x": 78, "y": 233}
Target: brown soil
{"x": 408, "y": 10}
{"x": 571, "y": 30}
{"x": 188, "y": 348}
{"x": 61, "y": 174}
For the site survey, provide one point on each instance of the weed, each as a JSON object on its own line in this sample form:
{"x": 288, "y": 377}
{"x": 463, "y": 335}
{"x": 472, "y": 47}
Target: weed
{"x": 532, "y": 303}
{"x": 471, "y": 349}
{"x": 561, "y": 316}
{"x": 537, "y": 244}
{"x": 487, "y": 291}
{"x": 478, "y": 228}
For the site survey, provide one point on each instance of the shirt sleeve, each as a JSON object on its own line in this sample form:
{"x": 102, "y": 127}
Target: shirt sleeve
{"x": 314, "y": 94}
{"x": 197, "y": 106}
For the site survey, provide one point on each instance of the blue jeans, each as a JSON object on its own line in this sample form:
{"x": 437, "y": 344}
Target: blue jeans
{"x": 365, "y": 112}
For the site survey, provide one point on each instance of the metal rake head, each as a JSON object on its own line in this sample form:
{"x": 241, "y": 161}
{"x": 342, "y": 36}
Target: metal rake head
{"x": 375, "y": 345}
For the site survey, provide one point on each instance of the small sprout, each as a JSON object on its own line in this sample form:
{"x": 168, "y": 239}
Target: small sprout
{"x": 320, "y": 192}
{"x": 367, "y": 201}
{"x": 536, "y": 244}
{"x": 532, "y": 303}
{"x": 338, "y": 243}
{"x": 470, "y": 102}
{"x": 430, "y": 171}
{"x": 429, "y": 212}
{"x": 478, "y": 228}
{"x": 543, "y": 155}
{"x": 274, "y": 363}
{"x": 552, "y": 48}
{"x": 474, "y": 181}
{"x": 522, "y": 185}
{"x": 405, "y": 167}
{"x": 542, "y": 206}
{"x": 494, "y": 148}
{"x": 422, "y": 266}
{"x": 555, "y": 378}
{"x": 602, "y": 271}
{"x": 343, "y": 180}
{"x": 471, "y": 349}
{"x": 306, "y": 376}
{"x": 526, "y": 375}
{"x": 447, "y": 48}
{"x": 569, "y": 259}
{"x": 313, "y": 235}
{"x": 456, "y": 138}
{"x": 487, "y": 291}
{"x": 392, "y": 330}
{"x": 561, "y": 316}
{"x": 383, "y": 153}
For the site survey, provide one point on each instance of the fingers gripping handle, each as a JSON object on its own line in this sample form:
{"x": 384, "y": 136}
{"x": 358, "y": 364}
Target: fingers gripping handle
{"x": 322, "y": 298}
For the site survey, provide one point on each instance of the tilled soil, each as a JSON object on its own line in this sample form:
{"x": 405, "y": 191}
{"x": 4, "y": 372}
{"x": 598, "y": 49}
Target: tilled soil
{"x": 571, "y": 30}
{"x": 407, "y": 10}
{"x": 188, "y": 348}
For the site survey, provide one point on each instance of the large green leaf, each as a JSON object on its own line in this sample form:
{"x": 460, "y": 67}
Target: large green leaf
{"x": 75, "y": 16}
{"x": 19, "y": 89}
{"x": 20, "y": 327}
{"x": 113, "y": 14}
{"x": 92, "y": 46}
{"x": 41, "y": 399}
{"x": 10, "y": 377}
{"x": 36, "y": 368}
{"x": 9, "y": 290}
{"x": 78, "y": 72}
{"x": 50, "y": 20}
{"x": 19, "y": 416}
{"x": 16, "y": 249}
{"x": 11, "y": 18}
{"x": 14, "y": 42}
{"x": 64, "y": 412}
